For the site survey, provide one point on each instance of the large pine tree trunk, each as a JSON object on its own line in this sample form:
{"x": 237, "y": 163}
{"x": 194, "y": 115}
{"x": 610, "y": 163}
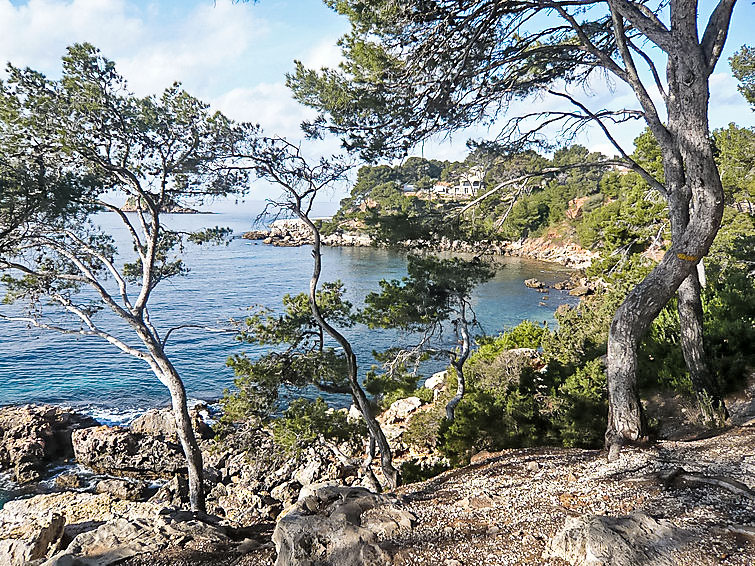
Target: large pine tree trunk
{"x": 169, "y": 377}
{"x": 188, "y": 440}
{"x": 690, "y": 310}
{"x": 689, "y": 167}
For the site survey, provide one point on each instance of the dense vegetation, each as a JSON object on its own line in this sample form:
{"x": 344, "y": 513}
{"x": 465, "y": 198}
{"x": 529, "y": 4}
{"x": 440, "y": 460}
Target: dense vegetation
{"x": 553, "y": 393}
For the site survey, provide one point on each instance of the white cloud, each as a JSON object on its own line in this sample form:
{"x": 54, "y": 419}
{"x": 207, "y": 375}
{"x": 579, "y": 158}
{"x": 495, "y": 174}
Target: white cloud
{"x": 326, "y": 54}
{"x": 36, "y": 34}
{"x": 202, "y": 50}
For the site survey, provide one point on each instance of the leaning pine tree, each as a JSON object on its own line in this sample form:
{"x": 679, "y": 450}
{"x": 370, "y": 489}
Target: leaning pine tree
{"x": 282, "y": 163}
{"x": 416, "y": 68}
{"x": 160, "y": 151}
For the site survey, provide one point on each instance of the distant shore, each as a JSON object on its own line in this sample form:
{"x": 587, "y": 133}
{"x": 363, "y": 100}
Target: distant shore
{"x": 294, "y": 233}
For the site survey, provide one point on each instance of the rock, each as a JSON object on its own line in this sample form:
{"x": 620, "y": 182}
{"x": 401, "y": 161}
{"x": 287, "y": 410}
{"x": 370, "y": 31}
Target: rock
{"x": 563, "y": 285}
{"x": 33, "y": 435}
{"x": 436, "y": 380}
{"x": 483, "y": 501}
{"x": 161, "y": 422}
{"x": 123, "y": 489}
{"x": 255, "y": 235}
{"x": 632, "y": 540}
{"x": 69, "y": 481}
{"x": 401, "y": 409}
{"x": 533, "y": 466}
{"x": 354, "y": 413}
{"x": 534, "y": 283}
{"x": 337, "y": 526}
{"x": 27, "y": 537}
{"x": 287, "y": 492}
{"x": 581, "y": 291}
{"x": 119, "y": 451}
{"x": 174, "y": 493}
{"x": 123, "y": 538}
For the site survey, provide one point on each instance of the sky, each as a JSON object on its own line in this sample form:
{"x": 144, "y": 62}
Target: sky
{"x": 234, "y": 55}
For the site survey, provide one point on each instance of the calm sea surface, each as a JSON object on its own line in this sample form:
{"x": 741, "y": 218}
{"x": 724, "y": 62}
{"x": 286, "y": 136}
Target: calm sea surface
{"x": 38, "y": 366}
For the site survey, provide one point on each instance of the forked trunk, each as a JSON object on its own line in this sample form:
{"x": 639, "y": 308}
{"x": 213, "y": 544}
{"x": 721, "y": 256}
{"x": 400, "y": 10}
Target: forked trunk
{"x": 691, "y": 175}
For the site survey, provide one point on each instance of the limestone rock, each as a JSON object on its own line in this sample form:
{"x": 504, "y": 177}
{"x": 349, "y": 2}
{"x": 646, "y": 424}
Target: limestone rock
{"x": 27, "y": 537}
{"x": 124, "y": 538}
{"x": 533, "y": 283}
{"x": 32, "y": 435}
{"x": 333, "y": 525}
{"x": 161, "y": 422}
{"x": 436, "y": 380}
{"x": 69, "y": 481}
{"x": 401, "y": 409}
{"x": 82, "y": 511}
{"x": 632, "y": 540}
{"x": 119, "y": 451}
{"x": 581, "y": 291}
{"x": 123, "y": 489}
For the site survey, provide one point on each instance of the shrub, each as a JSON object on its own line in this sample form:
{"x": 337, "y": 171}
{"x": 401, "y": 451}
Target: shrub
{"x": 305, "y": 421}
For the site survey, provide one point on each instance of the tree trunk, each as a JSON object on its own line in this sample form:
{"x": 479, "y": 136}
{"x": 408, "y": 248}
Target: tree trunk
{"x": 357, "y": 393}
{"x": 458, "y": 364}
{"x": 689, "y": 167}
{"x": 690, "y": 310}
{"x": 188, "y": 441}
{"x": 169, "y": 377}
{"x": 706, "y": 389}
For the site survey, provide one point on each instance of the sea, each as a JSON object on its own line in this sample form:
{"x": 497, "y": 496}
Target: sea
{"x": 223, "y": 283}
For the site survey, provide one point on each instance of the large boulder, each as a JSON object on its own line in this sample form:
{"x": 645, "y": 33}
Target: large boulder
{"x": 161, "y": 422}
{"x": 120, "y": 451}
{"x": 633, "y": 540}
{"x": 101, "y": 529}
{"x": 333, "y": 525}
{"x": 33, "y": 435}
{"x": 124, "y": 538}
{"x": 27, "y": 537}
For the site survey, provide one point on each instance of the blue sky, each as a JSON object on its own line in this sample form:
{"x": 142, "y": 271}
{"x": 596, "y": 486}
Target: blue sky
{"x": 235, "y": 55}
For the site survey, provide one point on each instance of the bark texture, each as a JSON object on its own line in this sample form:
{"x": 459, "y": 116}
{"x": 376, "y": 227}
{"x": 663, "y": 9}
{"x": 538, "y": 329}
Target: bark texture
{"x": 458, "y": 364}
{"x": 691, "y": 175}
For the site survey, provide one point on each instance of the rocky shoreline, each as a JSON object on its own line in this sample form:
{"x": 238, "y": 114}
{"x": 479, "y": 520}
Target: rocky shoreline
{"x": 124, "y": 502}
{"x": 294, "y": 233}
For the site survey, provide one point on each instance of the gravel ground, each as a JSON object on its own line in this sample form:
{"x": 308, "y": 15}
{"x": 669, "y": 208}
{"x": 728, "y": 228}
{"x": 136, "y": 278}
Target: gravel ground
{"x": 505, "y": 507}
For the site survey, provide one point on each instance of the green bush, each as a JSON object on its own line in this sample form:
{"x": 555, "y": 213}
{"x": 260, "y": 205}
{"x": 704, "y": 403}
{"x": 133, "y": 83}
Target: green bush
{"x": 389, "y": 388}
{"x": 305, "y": 421}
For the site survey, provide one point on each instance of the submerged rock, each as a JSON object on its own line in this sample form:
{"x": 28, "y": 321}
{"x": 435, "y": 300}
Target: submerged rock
{"x": 33, "y": 435}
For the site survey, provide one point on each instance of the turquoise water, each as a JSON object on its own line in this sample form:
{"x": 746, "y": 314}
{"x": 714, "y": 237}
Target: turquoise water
{"x": 87, "y": 373}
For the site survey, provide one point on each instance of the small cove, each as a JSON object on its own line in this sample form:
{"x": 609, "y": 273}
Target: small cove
{"x": 45, "y": 367}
